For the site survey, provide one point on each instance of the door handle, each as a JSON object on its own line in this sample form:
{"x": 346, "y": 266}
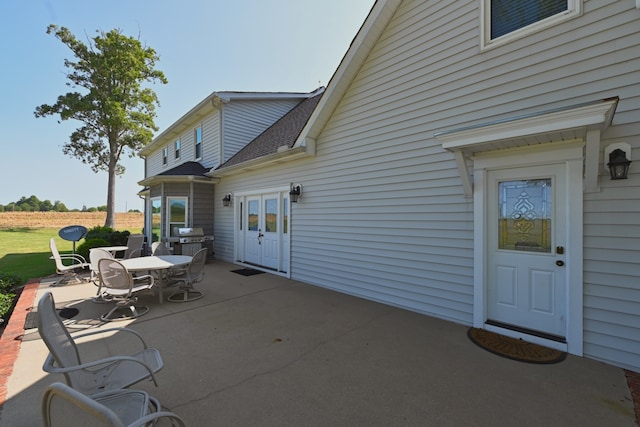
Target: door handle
{"x": 559, "y": 263}
{"x": 260, "y": 235}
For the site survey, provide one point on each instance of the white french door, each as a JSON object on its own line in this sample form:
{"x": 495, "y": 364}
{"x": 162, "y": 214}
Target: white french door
{"x": 264, "y": 230}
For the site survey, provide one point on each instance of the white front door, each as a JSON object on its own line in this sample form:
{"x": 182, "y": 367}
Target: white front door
{"x": 526, "y": 248}
{"x": 265, "y": 221}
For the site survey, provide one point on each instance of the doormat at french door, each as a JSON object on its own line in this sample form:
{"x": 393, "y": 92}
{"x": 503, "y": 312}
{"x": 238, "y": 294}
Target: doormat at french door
{"x": 247, "y": 272}
{"x": 31, "y": 322}
{"x": 513, "y": 348}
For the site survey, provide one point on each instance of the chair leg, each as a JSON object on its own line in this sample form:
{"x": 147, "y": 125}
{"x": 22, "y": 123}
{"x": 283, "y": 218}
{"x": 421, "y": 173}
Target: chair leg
{"x": 121, "y": 307}
{"x": 101, "y": 297}
{"x": 68, "y": 277}
{"x": 185, "y": 294}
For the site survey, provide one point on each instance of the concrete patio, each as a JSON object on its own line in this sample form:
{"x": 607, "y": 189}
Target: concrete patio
{"x": 265, "y": 351}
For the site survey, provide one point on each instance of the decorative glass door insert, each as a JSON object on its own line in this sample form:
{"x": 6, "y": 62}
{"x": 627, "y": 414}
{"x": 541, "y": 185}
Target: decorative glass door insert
{"x": 525, "y": 215}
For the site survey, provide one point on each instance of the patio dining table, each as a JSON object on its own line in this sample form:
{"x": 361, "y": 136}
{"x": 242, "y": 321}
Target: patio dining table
{"x": 114, "y": 249}
{"x": 156, "y": 263}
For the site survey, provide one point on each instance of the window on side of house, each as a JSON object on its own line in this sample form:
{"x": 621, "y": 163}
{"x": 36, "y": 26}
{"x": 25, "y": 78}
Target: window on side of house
{"x": 156, "y": 219}
{"x": 197, "y": 137}
{"x": 165, "y": 155}
{"x": 177, "y": 148}
{"x": 505, "y": 20}
{"x": 176, "y": 213}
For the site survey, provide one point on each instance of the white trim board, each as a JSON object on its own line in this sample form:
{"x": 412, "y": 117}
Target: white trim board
{"x": 569, "y": 154}
{"x": 584, "y": 121}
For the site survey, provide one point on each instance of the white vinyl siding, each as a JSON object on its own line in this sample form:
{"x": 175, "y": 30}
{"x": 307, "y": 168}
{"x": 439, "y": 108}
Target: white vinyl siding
{"x": 210, "y": 141}
{"x": 582, "y": 61}
{"x": 586, "y": 59}
{"x": 383, "y": 214}
{"x": 244, "y": 120}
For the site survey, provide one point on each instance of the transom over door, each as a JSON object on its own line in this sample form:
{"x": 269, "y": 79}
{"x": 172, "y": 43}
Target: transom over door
{"x": 526, "y": 276}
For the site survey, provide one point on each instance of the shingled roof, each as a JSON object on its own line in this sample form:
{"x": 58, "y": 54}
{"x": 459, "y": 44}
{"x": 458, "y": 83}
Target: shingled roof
{"x": 185, "y": 172}
{"x": 186, "y": 168}
{"x": 284, "y": 132}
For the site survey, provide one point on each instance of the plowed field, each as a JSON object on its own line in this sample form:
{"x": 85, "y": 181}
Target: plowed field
{"x": 124, "y": 221}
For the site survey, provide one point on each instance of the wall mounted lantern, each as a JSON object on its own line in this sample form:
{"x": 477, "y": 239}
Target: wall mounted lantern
{"x": 618, "y": 161}
{"x": 226, "y": 200}
{"x": 618, "y": 164}
{"x": 295, "y": 192}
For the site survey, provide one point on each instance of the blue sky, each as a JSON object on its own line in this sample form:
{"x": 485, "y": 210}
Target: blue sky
{"x": 204, "y": 46}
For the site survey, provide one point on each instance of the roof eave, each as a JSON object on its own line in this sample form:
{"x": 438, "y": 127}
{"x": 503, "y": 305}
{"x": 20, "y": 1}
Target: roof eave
{"x": 360, "y": 48}
{"x": 157, "y": 179}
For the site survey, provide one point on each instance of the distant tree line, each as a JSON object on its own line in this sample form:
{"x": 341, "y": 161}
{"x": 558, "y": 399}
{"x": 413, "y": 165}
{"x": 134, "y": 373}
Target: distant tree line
{"x": 33, "y": 204}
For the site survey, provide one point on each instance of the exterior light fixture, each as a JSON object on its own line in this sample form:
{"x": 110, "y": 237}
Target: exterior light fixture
{"x": 295, "y": 192}
{"x": 618, "y": 154}
{"x": 226, "y": 200}
{"x": 618, "y": 164}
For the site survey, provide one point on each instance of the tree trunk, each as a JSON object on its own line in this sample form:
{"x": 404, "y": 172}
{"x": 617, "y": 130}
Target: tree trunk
{"x": 110, "y": 221}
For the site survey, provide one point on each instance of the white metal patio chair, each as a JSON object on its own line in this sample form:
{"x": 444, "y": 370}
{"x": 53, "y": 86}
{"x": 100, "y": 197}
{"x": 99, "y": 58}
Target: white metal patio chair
{"x": 121, "y": 287}
{"x": 95, "y": 255}
{"x": 90, "y": 377}
{"x": 62, "y": 406}
{"x": 192, "y": 275}
{"x": 135, "y": 243}
{"x": 66, "y": 264}
{"x": 159, "y": 248}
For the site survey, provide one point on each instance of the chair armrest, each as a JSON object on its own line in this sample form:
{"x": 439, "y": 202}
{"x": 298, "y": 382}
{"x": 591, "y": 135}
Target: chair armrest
{"x": 49, "y": 365}
{"x": 176, "y": 420}
{"x": 76, "y": 257}
{"x": 102, "y": 331}
{"x": 145, "y": 277}
{"x": 135, "y": 253}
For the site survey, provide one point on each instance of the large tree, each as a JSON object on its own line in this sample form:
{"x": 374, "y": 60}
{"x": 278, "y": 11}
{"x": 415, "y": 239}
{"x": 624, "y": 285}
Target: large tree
{"x": 116, "y": 111}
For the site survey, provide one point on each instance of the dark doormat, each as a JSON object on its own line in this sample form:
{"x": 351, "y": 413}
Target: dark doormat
{"x": 31, "y": 322}
{"x": 247, "y": 272}
{"x": 513, "y": 348}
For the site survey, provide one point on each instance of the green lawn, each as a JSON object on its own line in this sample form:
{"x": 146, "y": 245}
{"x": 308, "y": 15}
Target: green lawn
{"x": 25, "y": 251}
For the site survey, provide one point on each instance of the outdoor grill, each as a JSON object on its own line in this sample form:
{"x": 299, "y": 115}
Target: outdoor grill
{"x": 189, "y": 240}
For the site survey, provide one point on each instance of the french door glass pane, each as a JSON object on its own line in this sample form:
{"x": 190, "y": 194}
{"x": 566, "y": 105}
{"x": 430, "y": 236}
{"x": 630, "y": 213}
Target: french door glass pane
{"x": 271, "y": 215}
{"x": 253, "y": 209}
{"x": 525, "y": 215}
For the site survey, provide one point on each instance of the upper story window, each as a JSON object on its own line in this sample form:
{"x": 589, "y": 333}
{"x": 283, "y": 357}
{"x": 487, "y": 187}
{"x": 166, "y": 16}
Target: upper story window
{"x": 197, "y": 137}
{"x": 505, "y": 20}
{"x": 165, "y": 155}
{"x": 176, "y": 146}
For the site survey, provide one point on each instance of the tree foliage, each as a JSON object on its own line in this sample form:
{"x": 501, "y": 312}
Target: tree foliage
{"x": 117, "y": 113}
{"x": 33, "y": 204}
